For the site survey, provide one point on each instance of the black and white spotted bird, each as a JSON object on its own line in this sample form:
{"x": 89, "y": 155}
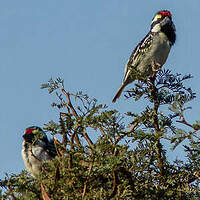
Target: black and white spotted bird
{"x": 152, "y": 52}
{"x": 36, "y": 148}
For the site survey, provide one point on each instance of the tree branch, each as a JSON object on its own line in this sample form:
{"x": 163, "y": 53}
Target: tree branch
{"x": 102, "y": 131}
{"x": 115, "y": 184}
{"x": 64, "y": 135}
{"x": 154, "y": 93}
{"x": 129, "y": 131}
{"x": 87, "y": 181}
{"x": 85, "y": 135}
{"x": 183, "y": 121}
{"x": 44, "y": 194}
{"x": 73, "y": 135}
{"x": 69, "y": 105}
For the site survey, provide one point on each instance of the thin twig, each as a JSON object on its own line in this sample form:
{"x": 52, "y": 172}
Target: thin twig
{"x": 85, "y": 135}
{"x": 57, "y": 142}
{"x": 69, "y": 103}
{"x": 64, "y": 134}
{"x": 73, "y": 135}
{"x": 77, "y": 140}
{"x": 87, "y": 180}
{"x": 115, "y": 183}
{"x": 102, "y": 131}
{"x": 44, "y": 194}
{"x": 183, "y": 121}
{"x": 70, "y": 161}
{"x": 127, "y": 132}
{"x": 157, "y": 129}
{"x": 133, "y": 127}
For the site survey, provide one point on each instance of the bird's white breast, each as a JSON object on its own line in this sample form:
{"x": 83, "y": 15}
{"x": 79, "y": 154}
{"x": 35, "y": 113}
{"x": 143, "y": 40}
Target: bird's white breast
{"x": 157, "y": 53}
{"x": 33, "y": 156}
{"x": 161, "y": 47}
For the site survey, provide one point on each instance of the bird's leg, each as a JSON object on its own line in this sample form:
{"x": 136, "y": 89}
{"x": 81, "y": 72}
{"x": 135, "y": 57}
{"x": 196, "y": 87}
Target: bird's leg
{"x": 155, "y": 68}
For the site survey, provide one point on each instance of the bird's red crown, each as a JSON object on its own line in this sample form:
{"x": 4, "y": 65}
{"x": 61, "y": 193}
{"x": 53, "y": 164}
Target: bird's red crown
{"x": 30, "y": 130}
{"x": 165, "y": 13}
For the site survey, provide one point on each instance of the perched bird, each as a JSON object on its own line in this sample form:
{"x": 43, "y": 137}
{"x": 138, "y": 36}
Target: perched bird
{"x": 152, "y": 52}
{"x": 36, "y": 148}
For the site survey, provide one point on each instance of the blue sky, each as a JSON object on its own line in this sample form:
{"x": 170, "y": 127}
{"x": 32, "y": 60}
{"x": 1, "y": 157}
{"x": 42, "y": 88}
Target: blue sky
{"x": 87, "y": 43}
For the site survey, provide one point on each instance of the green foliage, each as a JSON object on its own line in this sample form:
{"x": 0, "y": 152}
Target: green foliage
{"x": 100, "y": 156}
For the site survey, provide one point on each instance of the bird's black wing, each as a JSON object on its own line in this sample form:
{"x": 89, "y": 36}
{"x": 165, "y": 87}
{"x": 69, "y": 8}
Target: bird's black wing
{"x": 141, "y": 48}
{"x": 135, "y": 57}
{"x": 50, "y": 147}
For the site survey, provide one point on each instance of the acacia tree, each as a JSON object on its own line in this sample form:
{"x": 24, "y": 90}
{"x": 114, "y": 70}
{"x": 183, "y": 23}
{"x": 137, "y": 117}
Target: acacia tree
{"x": 101, "y": 156}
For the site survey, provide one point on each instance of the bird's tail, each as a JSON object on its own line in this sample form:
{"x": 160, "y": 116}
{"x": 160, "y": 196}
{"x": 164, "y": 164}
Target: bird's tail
{"x": 119, "y": 92}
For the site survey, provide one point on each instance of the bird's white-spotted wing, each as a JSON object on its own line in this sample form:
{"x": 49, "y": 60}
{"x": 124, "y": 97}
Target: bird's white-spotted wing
{"x": 135, "y": 57}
